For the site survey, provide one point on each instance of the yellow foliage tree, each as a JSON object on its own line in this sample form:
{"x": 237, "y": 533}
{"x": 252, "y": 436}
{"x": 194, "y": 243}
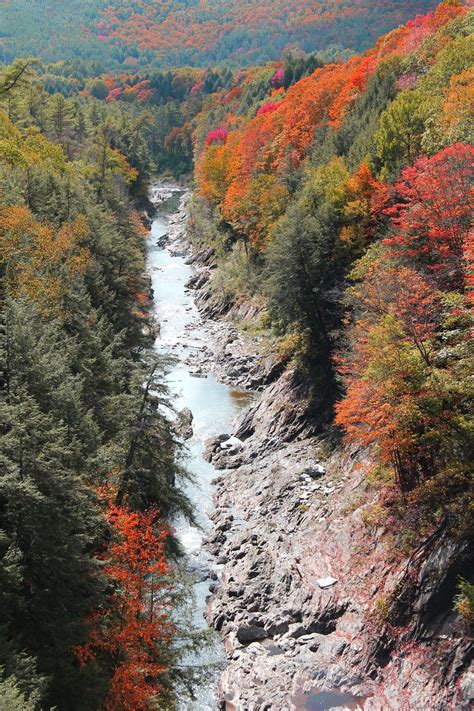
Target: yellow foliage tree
{"x": 39, "y": 261}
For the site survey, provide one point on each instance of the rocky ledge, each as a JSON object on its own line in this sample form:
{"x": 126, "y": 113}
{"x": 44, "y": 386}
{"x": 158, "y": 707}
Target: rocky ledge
{"x": 317, "y": 606}
{"x": 302, "y": 600}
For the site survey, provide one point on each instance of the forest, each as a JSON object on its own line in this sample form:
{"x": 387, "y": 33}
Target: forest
{"x": 90, "y": 468}
{"x": 191, "y": 32}
{"x": 332, "y": 186}
{"x": 345, "y": 202}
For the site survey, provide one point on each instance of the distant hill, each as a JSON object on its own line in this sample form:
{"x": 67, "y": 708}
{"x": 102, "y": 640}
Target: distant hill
{"x": 193, "y": 32}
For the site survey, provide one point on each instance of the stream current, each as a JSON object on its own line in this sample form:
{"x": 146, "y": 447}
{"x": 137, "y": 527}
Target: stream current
{"x": 214, "y": 407}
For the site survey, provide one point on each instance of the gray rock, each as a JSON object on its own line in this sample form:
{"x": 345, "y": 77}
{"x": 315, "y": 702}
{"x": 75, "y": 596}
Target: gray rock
{"x": 183, "y": 425}
{"x": 314, "y": 471}
{"x": 232, "y": 443}
{"x": 250, "y": 633}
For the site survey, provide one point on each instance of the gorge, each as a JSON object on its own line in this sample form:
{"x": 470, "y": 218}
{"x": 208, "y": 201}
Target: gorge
{"x": 291, "y": 566}
{"x": 236, "y": 355}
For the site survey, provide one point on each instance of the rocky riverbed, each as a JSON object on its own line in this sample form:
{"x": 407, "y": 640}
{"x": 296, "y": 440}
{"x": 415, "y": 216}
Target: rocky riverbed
{"x": 305, "y": 571}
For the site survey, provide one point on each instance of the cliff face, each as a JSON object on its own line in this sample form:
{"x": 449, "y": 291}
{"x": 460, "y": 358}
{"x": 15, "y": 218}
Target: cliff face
{"x": 312, "y": 592}
{"x": 314, "y": 597}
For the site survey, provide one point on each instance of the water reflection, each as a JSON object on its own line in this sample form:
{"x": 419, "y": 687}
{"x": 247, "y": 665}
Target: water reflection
{"x": 324, "y": 700}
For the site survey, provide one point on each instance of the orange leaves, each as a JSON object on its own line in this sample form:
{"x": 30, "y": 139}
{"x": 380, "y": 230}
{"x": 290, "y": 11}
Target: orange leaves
{"x": 139, "y": 549}
{"x": 458, "y": 107}
{"x": 212, "y": 173}
{"x": 122, "y": 166}
{"x": 255, "y": 155}
{"x": 137, "y": 225}
{"x": 135, "y": 630}
{"x": 207, "y": 28}
{"x": 306, "y": 107}
{"x": 233, "y": 94}
{"x": 254, "y": 211}
{"x": 386, "y": 383}
{"x": 276, "y": 141}
{"x": 356, "y": 80}
{"x": 365, "y": 199}
{"x": 39, "y": 260}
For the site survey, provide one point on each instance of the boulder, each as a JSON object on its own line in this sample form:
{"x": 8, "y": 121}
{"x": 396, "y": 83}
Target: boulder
{"x": 250, "y": 633}
{"x": 314, "y": 471}
{"x": 183, "y": 425}
{"x": 232, "y": 443}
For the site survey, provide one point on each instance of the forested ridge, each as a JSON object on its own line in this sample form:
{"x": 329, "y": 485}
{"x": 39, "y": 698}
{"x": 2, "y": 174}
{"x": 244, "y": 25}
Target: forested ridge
{"x": 90, "y": 469}
{"x": 195, "y": 32}
{"x": 343, "y": 204}
{"x": 334, "y": 191}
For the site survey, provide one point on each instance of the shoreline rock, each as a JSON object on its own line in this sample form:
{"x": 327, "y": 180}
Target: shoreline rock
{"x": 303, "y": 583}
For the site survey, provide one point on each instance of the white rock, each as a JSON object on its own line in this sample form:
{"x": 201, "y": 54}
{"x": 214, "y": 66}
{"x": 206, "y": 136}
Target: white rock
{"x": 326, "y": 582}
{"x": 232, "y": 442}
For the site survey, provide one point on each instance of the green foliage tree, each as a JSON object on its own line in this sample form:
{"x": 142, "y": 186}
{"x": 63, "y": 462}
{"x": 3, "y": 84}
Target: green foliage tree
{"x": 400, "y": 133}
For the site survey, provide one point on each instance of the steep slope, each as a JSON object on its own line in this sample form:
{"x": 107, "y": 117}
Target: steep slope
{"x": 336, "y": 210}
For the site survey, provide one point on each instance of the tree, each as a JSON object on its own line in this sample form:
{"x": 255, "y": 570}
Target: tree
{"x": 48, "y": 513}
{"x": 403, "y": 396}
{"x": 303, "y": 266}
{"x": 16, "y": 75}
{"x": 432, "y": 219}
{"x": 148, "y": 463}
{"x": 13, "y": 699}
{"x": 38, "y": 261}
{"x": 134, "y": 633}
{"x": 399, "y": 136}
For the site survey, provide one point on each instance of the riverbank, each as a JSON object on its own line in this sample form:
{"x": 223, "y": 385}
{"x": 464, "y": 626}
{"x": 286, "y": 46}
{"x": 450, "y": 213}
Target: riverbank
{"x": 306, "y": 573}
{"x": 204, "y": 406}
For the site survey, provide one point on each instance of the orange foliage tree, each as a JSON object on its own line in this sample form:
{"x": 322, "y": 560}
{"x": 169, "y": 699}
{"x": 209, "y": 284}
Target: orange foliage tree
{"x": 275, "y": 142}
{"x": 41, "y": 261}
{"x": 135, "y": 632}
{"x": 389, "y": 369}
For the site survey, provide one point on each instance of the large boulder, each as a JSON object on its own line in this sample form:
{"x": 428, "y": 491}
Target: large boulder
{"x": 250, "y": 633}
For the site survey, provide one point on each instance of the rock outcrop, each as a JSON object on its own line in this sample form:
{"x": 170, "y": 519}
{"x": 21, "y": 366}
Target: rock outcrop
{"x": 315, "y": 603}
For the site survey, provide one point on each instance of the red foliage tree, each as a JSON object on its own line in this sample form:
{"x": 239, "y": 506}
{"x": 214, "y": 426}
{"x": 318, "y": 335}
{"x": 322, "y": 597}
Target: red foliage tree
{"x": 432, "y": 218}
{"x": 133, "y": 634}
{"x": 268, "y": 107}
{"x": 278, "y": 79}
{"x": 216, "y": 136}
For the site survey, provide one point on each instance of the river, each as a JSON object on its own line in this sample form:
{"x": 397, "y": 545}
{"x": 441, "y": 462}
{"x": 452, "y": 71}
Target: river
{"x": 214, "y": 407}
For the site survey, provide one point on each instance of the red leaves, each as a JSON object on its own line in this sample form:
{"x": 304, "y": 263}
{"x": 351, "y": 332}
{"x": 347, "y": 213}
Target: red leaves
{"x": 278, "y": 79}
{"x": 218, "y": 136}
{"x": 405, "y": 379}
{"x": 268, "y": 108}
{"x": 433, "y": 217}
{"x": 135, "y": 630}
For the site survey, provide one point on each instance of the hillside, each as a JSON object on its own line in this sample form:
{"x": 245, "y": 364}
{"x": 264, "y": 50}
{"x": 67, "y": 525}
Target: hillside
{"x": 333, "y": 217}
{"x": 326, "y": 197}
{"x": 192, "y": 32}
